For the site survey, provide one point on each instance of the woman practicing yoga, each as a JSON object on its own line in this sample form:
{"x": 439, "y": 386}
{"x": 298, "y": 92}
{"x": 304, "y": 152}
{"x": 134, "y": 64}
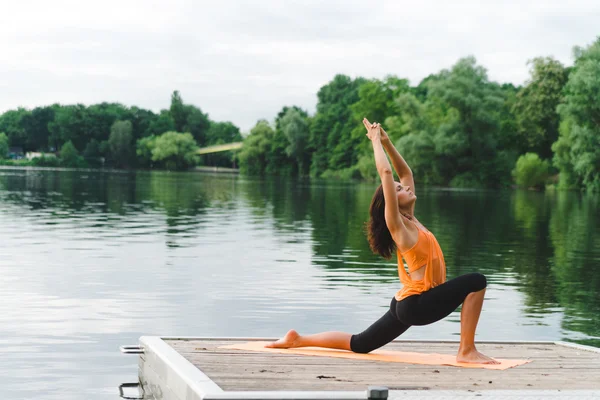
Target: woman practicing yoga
{"x": 425, "y": 297}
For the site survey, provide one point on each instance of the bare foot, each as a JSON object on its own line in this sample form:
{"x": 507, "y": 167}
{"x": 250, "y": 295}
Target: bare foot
{"x": 474, "y": 357}
{"x": 288, "y": 341}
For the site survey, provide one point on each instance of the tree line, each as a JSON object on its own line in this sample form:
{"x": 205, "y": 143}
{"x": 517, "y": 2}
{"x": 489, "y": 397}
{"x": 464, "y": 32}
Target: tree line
{"x": 111, "y": 134}
{"x": 455, "y": 128}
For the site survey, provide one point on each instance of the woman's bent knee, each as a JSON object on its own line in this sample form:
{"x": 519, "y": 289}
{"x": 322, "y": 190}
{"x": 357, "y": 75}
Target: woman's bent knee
{"x": 360, "y": 346}
{"x": 479, "y": 281}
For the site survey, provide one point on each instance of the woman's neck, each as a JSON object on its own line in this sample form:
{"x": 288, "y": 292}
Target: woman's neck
{"x": 407, "y": 214}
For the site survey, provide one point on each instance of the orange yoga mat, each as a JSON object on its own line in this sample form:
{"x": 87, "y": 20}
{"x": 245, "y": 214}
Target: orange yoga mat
{"x": 379, "y": 355}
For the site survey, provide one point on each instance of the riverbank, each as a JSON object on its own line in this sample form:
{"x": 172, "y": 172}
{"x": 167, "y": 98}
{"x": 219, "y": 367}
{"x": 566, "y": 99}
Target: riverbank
{"x": 552, "y": 186}
{"x": 195, "y": 169}
{"x": 33, "y": 168}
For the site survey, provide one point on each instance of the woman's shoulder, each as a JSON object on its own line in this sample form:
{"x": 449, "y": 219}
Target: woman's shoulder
{"x": 408, "y": 237}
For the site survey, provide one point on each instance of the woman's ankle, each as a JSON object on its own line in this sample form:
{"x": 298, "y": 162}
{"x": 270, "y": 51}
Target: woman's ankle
{"x": 466, "y": 348}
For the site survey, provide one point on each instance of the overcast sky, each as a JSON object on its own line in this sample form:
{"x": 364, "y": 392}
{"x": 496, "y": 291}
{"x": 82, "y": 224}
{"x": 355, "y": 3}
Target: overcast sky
{"x": 242, "y": 61}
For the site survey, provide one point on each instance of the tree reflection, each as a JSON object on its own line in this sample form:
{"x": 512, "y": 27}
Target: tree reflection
{"x": 534, "y": 250}
{"x": 574, "y": 233}
{"x": 110, "y": 200}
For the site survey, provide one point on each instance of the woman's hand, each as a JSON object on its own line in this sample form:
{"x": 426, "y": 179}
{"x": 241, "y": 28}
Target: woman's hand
{"x": 373, "y": 130}
{"x": 384, "y": 135}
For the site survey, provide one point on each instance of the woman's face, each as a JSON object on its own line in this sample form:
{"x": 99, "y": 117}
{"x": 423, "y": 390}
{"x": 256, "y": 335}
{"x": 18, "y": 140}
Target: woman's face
{"x": 405, "y": 195}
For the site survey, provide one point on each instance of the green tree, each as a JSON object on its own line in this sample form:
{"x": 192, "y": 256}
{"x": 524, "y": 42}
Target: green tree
{"x": 144, "y": 148}
{"x": 3, "y": 145}
{"x": 254, "y": 153}
{"x": 562, "y": 157}
{"x": 580, "y": 130}
{"x": 377, "y": 102}
{"x": 99, "y": 119}
{"x": 35, "y": 125}
{"x": 535, "y": 107}
{"x": 198, "y": 124}
{"x": 141, "y": 120}
{"x": 178, "y": 111}
{"x": 70, "y": 124}
{"x": 331, "y": 130}
{"x": 467, "y": 145}
{"x": 279, "y": 162}
{"x": 81, "y": 124}
{"x": 120, "y": 143}
{"x": 48, "y": 161}
{"x": 510, "y": 142}
{"x": 161, "y": 124}
{"x": 223, "y": 132}
{"x": 530, "y": 171}
{"x": 175, "y": 151}
{"x": 296, "y": 129}
{"x": 69, "y": 156}
{"x": 11, "y": 124}
{"x": 92, "y": 153}
{"x": 421, "y": 91}
{"x": 189, "y": 118}
{"x": 415, "y": 127}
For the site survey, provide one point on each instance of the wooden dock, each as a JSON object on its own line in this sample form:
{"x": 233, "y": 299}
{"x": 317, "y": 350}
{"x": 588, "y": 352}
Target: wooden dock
{"x": 197, "y": 368}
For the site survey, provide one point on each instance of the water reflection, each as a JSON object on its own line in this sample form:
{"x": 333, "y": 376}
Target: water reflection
{"x": 574, "y": 235}
{"x": 94, "y": 260}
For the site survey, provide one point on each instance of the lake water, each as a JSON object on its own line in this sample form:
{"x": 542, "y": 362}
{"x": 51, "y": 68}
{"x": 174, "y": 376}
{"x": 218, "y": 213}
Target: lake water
{"x": 93, "y": 260}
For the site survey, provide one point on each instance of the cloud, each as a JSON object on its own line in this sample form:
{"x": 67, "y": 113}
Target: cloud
{"x": 242, "y": 61}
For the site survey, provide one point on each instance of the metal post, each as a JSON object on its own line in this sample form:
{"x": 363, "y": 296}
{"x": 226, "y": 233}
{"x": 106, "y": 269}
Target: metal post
{"x": 377, "y": 392}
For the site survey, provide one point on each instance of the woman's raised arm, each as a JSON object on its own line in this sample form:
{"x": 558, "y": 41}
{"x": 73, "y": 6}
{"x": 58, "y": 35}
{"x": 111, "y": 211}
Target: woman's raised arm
{"x": 400, "y": 166}
{"x": 393, "y": 219}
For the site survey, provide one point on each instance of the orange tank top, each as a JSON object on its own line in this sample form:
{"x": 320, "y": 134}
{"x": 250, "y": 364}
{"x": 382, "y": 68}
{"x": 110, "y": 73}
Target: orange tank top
{"x": 426, "y": 252}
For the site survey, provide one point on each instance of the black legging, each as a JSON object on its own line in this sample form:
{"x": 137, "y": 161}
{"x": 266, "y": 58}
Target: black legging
{"x": 422, "y": 309}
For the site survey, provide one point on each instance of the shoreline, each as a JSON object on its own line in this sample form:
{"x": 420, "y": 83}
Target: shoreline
{"x": 236, "y": 171}
{"x": 116, "y": 170}
{"x": 64, "y": 169}
{"x": 222, "y": 170}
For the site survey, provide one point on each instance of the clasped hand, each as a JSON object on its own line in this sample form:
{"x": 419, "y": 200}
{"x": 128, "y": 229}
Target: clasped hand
{"x": 374, "y": 130}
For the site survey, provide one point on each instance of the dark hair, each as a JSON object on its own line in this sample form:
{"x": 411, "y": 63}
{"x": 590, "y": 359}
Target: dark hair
{"x": 378, "y": 234}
